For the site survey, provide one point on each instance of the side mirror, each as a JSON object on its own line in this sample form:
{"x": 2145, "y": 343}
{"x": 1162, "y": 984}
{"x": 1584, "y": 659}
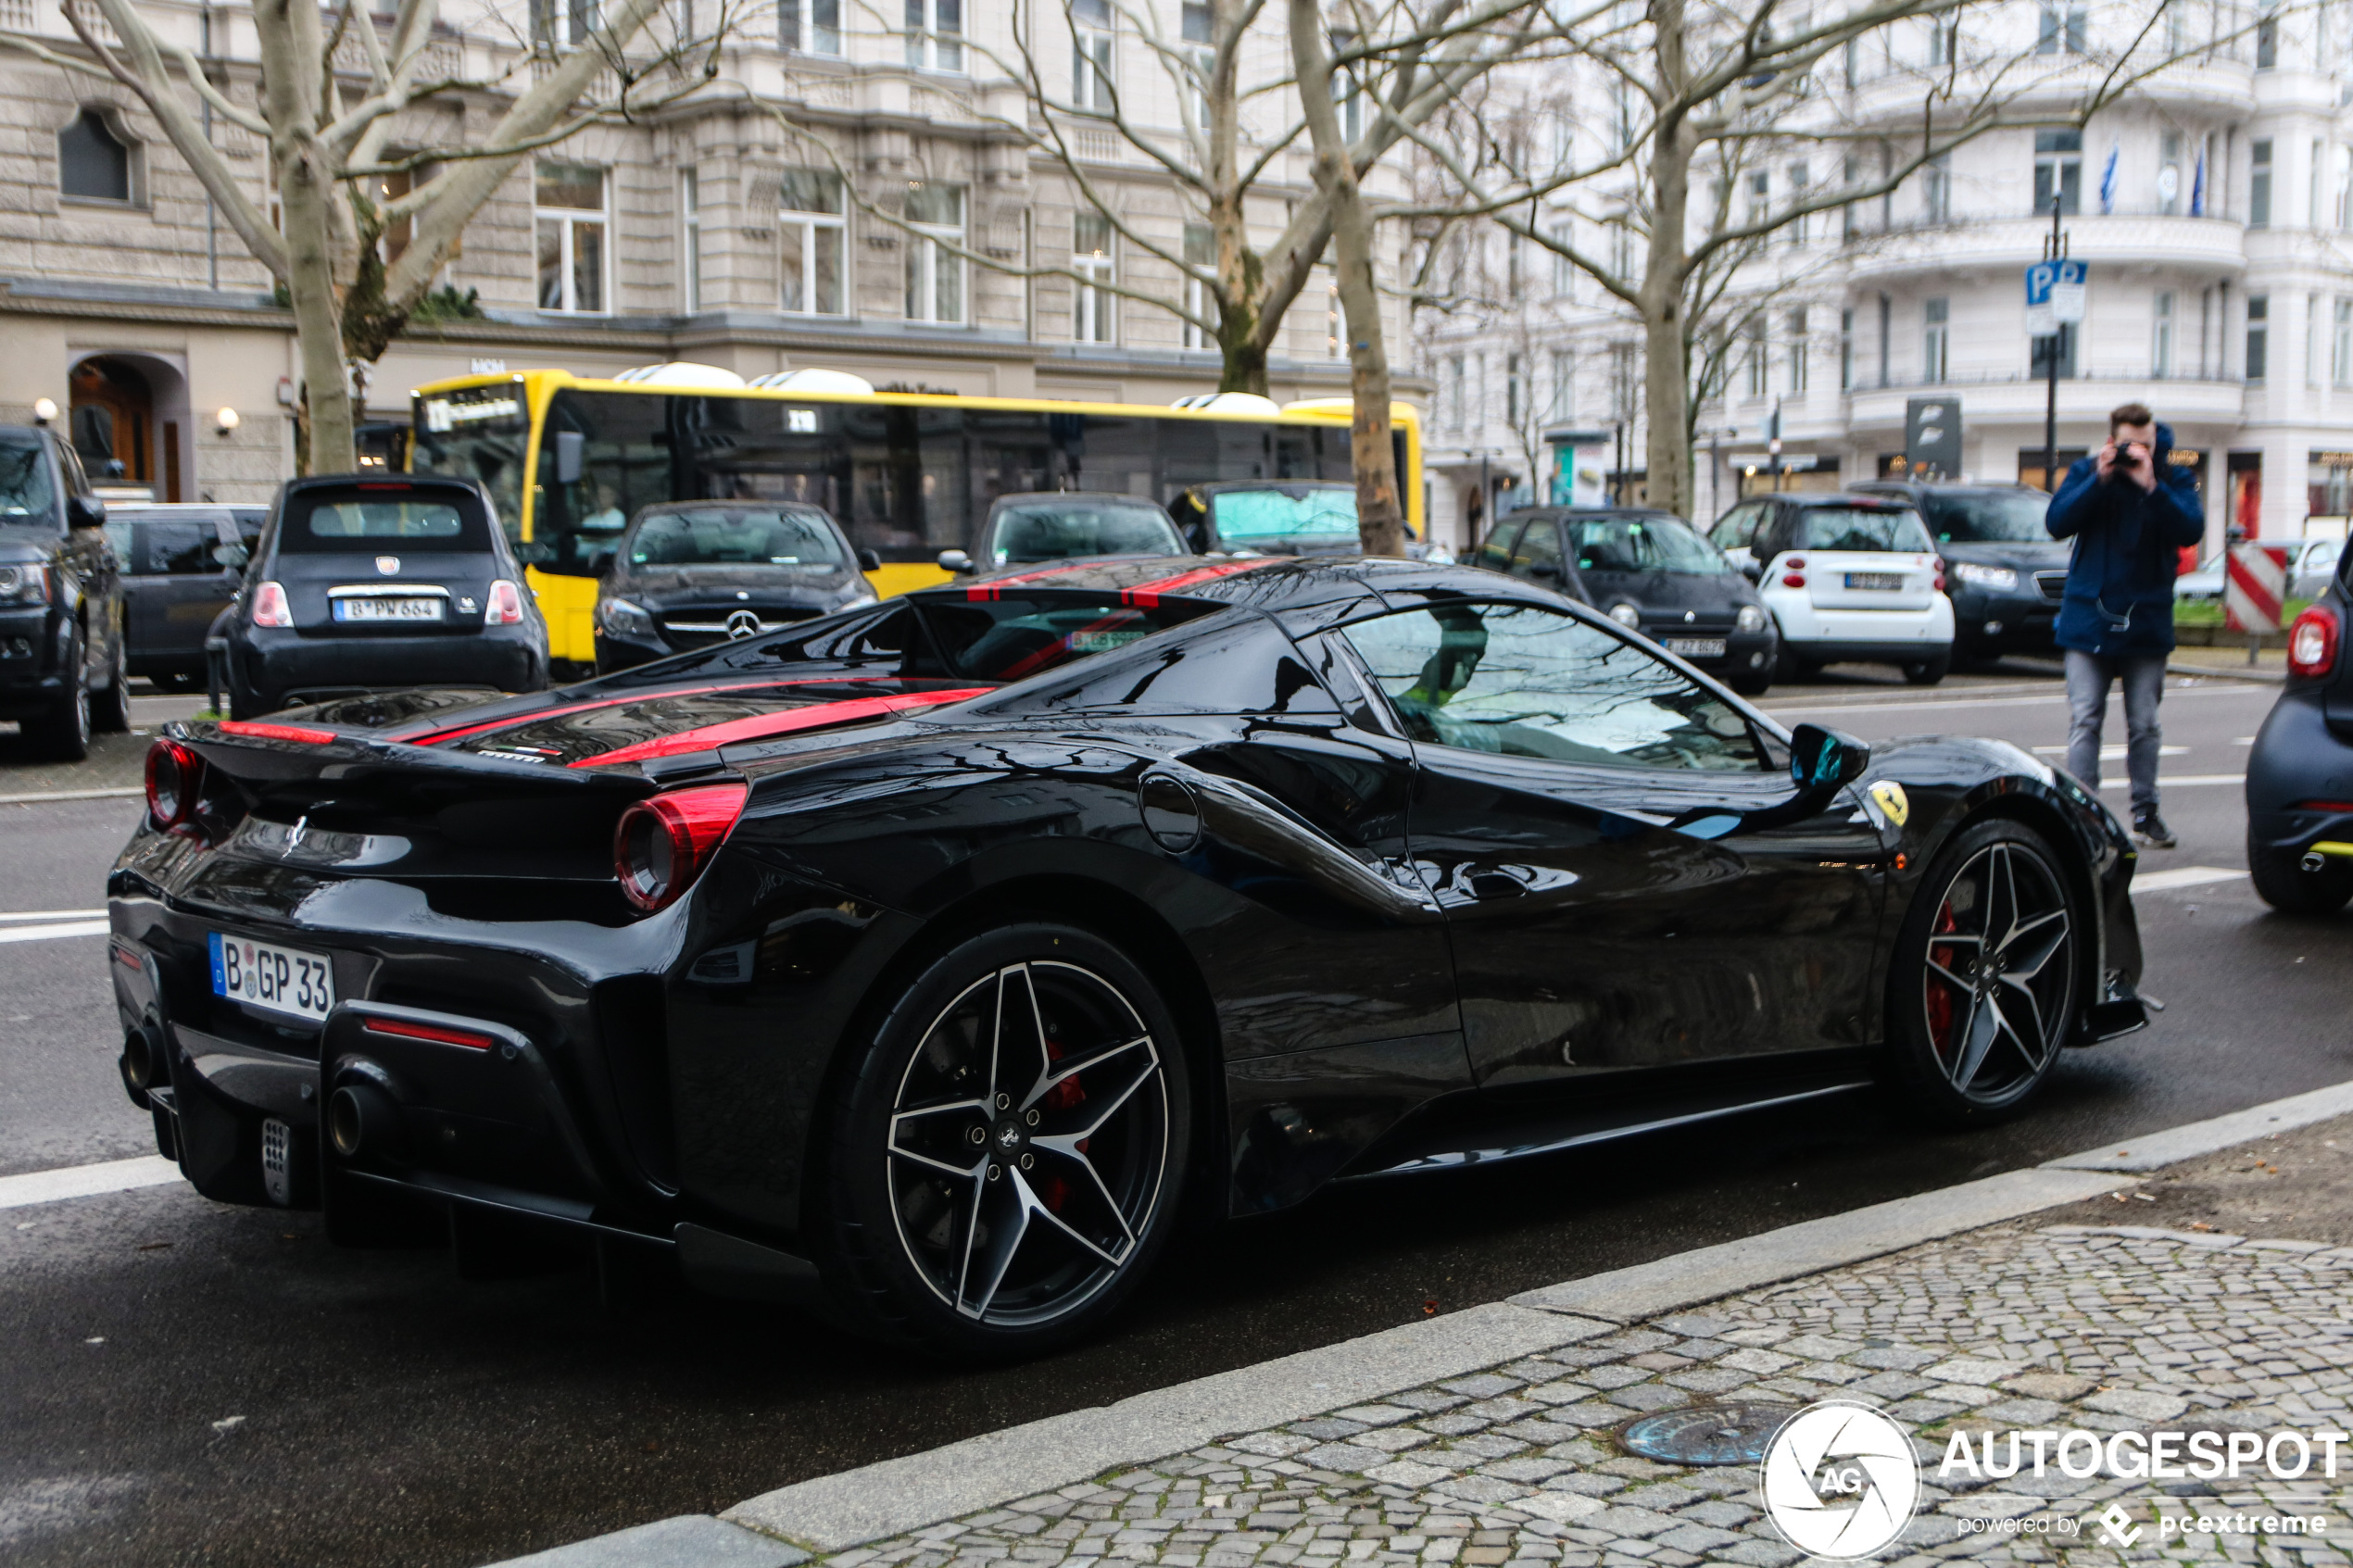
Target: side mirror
{"x": 955, "y": 560}
{"x": 86, "y": 511}
{"x": 571, "y": 456}
{"x": 1822, "y": 760}
{"x": 870, "y": 561}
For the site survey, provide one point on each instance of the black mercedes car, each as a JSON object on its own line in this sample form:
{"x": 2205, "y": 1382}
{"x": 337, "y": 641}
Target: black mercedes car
{"x": 368, "y": 583}
{"x": 1645, "y": 569}
{"x": 2003, "y": 570}
{"x": 2299, "y": 773}
{"x": 687, "y": 574}
{"x": 62, "y": 654}
{"x": 1065, "y": 525}
{"x": 914, "y": 964}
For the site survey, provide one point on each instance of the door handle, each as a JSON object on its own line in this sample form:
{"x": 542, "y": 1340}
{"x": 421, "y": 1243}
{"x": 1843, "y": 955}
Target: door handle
{"x": 1496, "y": 884}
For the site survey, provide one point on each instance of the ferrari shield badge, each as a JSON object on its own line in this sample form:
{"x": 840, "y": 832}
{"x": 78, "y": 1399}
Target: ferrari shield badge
{"x": 1888, "y": 796}
{"x": 388, "y": 564}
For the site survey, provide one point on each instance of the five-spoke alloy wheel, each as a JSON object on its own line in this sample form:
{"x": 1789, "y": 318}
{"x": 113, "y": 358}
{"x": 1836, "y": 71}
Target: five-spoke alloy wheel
{"x": 1986, "y": 990}
{"x": 1013, "y": 1144}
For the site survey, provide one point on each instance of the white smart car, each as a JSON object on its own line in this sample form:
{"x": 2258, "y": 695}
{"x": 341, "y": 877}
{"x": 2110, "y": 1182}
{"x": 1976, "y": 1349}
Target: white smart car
{"x": 1845, "y": 578}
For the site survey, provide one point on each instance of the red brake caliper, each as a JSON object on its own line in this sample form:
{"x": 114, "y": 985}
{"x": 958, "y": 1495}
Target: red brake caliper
{"x": 1940, "y": 990}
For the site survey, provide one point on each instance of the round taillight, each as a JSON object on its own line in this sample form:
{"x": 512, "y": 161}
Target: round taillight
{"x": 661, "y": 844}
{"x": 2312, "y": 643}
{"x": 174, "y": 774}
{"x": 1792, "y": 580}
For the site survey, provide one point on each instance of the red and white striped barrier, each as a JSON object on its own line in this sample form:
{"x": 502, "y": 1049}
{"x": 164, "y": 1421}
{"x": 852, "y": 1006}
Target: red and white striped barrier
{"x": 2253, "y": 584}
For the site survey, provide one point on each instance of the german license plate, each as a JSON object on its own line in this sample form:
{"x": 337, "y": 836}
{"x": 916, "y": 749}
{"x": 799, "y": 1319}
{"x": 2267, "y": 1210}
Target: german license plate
{"x": 277, "y": 979}
{"x": 388, "y": 610}
{"x": 1696, "y": 647}
{"x": 1876, "y": 582}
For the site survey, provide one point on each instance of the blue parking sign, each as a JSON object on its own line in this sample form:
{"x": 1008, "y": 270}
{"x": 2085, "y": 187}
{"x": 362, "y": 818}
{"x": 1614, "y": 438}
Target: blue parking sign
{"x": 2055, "y": 293}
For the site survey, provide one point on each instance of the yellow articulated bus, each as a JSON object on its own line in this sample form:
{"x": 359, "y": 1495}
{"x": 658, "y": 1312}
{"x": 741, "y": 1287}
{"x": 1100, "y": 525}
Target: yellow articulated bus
{"x": 570, "y": 460}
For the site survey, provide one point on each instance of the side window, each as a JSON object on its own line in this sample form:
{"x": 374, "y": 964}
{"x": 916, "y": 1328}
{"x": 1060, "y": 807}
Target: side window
{"x": 182, "y": 549}
{"x": 1736, "y": 528}
{"x": 123, "y": 540}
{"x": 1495, "y": 555}
{"x": 1520, "y": 680}
{"x": 77, "y": 478}
{"x": 1538, "y": 555}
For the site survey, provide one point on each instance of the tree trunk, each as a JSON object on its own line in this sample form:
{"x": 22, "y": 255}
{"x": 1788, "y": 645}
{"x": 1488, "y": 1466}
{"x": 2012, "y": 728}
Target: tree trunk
{"x": 1667, "y": 369}
{"x": 1381, "y": 520}
{"x": 292, "y": 47}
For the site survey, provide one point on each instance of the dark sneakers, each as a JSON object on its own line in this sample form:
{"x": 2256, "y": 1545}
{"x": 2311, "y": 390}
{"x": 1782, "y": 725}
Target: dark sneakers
{"x": 2151, "y": 830}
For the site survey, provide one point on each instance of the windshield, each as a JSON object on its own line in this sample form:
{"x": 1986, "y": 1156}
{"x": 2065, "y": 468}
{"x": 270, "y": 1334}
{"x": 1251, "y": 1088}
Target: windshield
{"x": 25, "y": 492}
{"x": 1988, "y": 516}
{"x": 751, "y": 537}
{"x": 1644, "y": 544}
{"x": 1270, "y": 514}
{"x": 327, "y": 522}
{"x": 1061, "y": 528}
{"x": 476, "y": 433}
{"x": 1855, "y": 528}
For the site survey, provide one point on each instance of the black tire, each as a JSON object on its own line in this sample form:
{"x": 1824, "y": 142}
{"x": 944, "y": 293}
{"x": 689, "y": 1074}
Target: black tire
{"x": 926, "y": 1166}
{"x": 1789, "y": 668}
{"x": 1751, "y": 683}
{"x": 63, "y": 733}
{"x": 110, "y": 709}
{"x": 2282, "y": 882}
{"x": 1928, "y": 672}
{"x": 1967, "y": 1046}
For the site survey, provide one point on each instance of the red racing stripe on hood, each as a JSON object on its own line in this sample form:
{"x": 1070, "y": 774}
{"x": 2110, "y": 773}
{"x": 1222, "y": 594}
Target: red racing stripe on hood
{"x": 443, "y": 737}
{"x": 1146, "y": 596}
{"x": 765, "y": 726}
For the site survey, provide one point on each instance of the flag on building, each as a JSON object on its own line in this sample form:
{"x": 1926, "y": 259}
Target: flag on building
{"x": 2108, "y": 179}
{"x": 2197, "y": 188}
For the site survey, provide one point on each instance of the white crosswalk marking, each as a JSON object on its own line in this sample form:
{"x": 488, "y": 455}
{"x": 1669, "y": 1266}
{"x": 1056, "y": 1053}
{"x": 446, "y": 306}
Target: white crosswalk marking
{"x": 85, "y": 1181}
{"x": 2181, "y": 876}
{"x": 42, "y": 933}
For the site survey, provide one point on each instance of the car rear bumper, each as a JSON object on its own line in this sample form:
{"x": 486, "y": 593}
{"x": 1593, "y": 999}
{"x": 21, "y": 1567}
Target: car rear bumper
{"x": 1804, "y": 624}
{"x": 275, "y": 667}
{"x": 32, "y": 660}
{"x": 2298, "y": 761}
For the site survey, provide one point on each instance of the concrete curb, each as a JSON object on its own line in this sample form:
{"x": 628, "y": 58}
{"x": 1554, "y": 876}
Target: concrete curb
{"x": 2177, "y": 1144}
{"x": 2272, "y": 677}
{"x": 835, "y": 1513}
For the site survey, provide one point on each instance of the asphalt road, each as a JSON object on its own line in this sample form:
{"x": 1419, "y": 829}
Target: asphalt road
{"x": 183, "y": 1382}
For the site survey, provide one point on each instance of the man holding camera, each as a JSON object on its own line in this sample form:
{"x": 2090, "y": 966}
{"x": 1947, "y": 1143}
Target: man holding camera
{"x": 2130, "y": 513}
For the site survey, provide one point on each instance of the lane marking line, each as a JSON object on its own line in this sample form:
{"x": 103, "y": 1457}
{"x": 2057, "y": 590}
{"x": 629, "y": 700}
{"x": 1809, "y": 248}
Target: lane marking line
{"x": 2183, "y": 779}
{"x": 1919, "y": 704}
{"x": 87, "y": 1181}
{"x": 2183, "y": 876}
{"x": 44, "y": 933}
{"x": 54, "y": 914}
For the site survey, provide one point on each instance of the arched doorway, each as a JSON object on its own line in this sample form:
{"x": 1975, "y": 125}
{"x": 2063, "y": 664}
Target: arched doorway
{"x": 114, "y": 417}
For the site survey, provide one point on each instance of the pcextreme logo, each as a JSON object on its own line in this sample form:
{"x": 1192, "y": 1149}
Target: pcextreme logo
{"x": 1840, "y": 1480}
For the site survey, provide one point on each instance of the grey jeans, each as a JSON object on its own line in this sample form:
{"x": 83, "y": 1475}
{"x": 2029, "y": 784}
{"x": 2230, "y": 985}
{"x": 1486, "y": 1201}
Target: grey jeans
{"x": 2088, "y": 675}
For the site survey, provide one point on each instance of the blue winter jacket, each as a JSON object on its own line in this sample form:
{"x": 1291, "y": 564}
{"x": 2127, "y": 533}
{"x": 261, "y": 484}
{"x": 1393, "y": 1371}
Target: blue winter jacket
{"x": 2119, "y": 582}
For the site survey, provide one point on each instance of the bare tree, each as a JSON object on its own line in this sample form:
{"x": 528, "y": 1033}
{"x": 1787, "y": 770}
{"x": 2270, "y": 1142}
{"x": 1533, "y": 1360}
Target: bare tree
{"x": 330, "y": 121}
{"x": 1703, "y": 89}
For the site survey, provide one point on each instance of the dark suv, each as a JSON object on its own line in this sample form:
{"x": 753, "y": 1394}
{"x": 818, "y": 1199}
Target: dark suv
{"x": 2003, "y": 570}
{"x": 61, "y": 646}
{"x": 178, "y": 576}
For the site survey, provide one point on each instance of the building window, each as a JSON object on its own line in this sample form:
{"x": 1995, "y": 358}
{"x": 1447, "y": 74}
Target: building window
{"x": 1090, "y": 312}
{"x": 1512, "y": 266}
{"x": 1853, "y": 62}
{"x": 1801, "y": 180}
{"x": 2062, "y": 29}
{"x": 563, "y": 24}
{"x": 2341, "y": 345}
{"x": 1458, "y": 419}
{"x": 2161, "y": 337}
{"x": 2059, "y": 170}
{"x": 1846, "y": 350}
{"x": 2341, "y": 217}
{"x": 1848, "y": 171}
{"x": 811, "y": 27}
{"x": 1753, "y": 347}
{"x": 2312, "y": 340}
{"x": 2177, "y": 36}
{"x": 935, "y": 274}
{"x": 1201, "y": 251}
{"x": 1943, "y": 41}
{"x": 2168, "y": 173}
{"x": 569, "y": 217}
{"x": 1760, "y": 197}
{"x": 1564, "y": 400}
{"x": 1564, "y": 270}
{"x": 812, "y": 234}
{"x": 689, "y": 240}
{"x": 2312, "y": 191}
{"x": 1935, "y": 340}
{"x": 2258, "y": 336}
{"x": 93, "y": 163}
{"x": 1090, "y": 46}
{"x": 1344, "y": 94}
{"x": 1798, "y": 368}
{"x": 2267, "y": 43}
{"x": 2258, "y": 184}
{"x": 1621, "y": 244}
{"x": 1937, "y": 193}
{"x": 1334, "y": 332}
{"x": 1511, "y": 390}
{"x": 936, "y": 35}
{"x": 1198, "y": 37}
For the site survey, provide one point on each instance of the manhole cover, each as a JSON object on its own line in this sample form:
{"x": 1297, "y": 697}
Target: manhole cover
{"x": 1706, "y": 1434}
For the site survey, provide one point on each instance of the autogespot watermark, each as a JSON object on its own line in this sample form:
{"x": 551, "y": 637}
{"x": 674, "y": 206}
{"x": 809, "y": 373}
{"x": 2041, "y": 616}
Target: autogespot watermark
{"x": 1841, "y": 1480}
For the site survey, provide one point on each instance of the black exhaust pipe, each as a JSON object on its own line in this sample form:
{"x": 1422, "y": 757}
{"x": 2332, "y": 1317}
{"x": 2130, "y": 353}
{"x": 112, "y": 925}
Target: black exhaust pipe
{"x": 363, "y": 1121}
{"x": 139, "y": 1060}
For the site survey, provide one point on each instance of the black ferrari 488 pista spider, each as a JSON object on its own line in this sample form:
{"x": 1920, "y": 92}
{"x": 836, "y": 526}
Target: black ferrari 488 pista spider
{"x": 917, "y": 962}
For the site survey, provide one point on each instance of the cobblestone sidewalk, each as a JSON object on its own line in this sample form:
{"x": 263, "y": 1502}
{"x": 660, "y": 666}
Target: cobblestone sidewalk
{"x": 2016, "y": 1326}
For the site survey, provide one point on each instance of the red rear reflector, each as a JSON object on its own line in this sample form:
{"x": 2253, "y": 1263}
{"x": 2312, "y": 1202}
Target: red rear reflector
{"x": 255, "y": 730}
{"x": 2325, "y": 805}
{"x": 405, "y": 1029}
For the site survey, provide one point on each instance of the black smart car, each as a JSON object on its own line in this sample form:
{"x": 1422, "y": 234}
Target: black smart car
{"x": 1067, "y": 525}
{"x": 179, "y": 574}
{"x": 2299, "y": 775}
{"x": 687, "y": 574}
{"x": 369, "y": 583}
{"x": 62, "y": 653}
{"x": 1649, "y": 571}
{"x": 2003, "y": 570}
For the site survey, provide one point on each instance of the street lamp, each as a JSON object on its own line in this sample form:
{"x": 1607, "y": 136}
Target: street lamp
{"x": 44, "y": 411}
{"x": 226, "y": 422}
